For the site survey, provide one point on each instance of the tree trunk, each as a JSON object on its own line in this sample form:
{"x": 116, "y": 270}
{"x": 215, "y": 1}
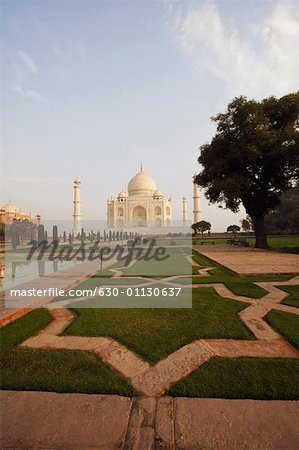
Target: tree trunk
{"x": 260, "y": 233}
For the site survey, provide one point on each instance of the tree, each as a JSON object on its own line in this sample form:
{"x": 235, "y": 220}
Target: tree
{"x": 2, "y": 231}
{"x": 245, "y": 224}
{"x": 233, "y": 229}
{"x": 201, "y": 227}
{"x": 286, "y": 219}
{"x": 253, "y": 157}
{"x": 194, "y": 227}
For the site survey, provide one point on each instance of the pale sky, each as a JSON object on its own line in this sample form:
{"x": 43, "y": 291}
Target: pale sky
{"x": 94, "y": 88}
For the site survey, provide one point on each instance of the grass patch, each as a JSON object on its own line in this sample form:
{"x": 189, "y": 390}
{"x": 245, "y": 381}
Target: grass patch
{"x": 155, "y": 333}
{"x": 293, "y": 298}
{"x": 174, "y": 263}
{"x": 238, "y": 285}
{"x": 288, "y": 244}
{"x": 286, "y": 324}
{"x": 217, "y": 240}
{"x": 255, "y": 378}
{"x": 52, "y": 370}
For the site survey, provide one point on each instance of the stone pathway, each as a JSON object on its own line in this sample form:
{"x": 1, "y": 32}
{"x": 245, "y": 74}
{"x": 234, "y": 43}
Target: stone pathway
{"x": 47, "y": 420}
{"x": 251, "y": 261}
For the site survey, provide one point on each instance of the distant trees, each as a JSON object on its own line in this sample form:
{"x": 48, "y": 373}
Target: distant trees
{"x": 246, "y": 225}
{"x": 2, "y": 231}
{"x": 253, "y": 157}
{"x": 201, "y": 227}
{"x": 285, "y": 220}
{"x": 233, "y": 229}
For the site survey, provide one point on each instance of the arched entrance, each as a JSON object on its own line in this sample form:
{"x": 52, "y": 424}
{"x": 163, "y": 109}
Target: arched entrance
{"x": 158, "y": 223}
{"x": 139, "y": 216}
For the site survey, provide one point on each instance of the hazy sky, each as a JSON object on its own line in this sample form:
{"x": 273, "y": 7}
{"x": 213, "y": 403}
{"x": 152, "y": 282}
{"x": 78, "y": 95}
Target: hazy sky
{"x": 94, "y": 88}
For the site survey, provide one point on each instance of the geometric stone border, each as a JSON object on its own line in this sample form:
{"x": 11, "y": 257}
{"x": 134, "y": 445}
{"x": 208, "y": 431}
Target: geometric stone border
{"x": 153, "y": 381}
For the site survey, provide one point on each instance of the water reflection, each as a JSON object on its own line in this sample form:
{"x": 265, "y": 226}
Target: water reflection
{"x": 15, "y": 270}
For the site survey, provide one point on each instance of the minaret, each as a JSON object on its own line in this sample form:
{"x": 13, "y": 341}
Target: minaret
{"x": 196, "y": 202}
{"x": 77, "y": 207}
{"x": 38, "y": 218}
{"x": 185, "y": 213}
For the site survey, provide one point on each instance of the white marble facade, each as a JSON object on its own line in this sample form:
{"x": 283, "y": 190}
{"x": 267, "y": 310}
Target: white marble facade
{"x": 142, "y": 206}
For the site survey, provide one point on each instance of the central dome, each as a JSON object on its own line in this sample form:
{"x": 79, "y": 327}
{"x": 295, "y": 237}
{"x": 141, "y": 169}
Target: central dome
{"x": 141, "y": 184}
{"x": 10, "y": 208}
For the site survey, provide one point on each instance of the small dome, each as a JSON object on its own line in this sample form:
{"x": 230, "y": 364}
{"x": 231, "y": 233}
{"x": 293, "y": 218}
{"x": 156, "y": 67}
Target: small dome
{"x": 122, "y": 194}
{"x": 158, "y": 194}
{"x": 10, "y": 208}
{"x": 141, "y": 184}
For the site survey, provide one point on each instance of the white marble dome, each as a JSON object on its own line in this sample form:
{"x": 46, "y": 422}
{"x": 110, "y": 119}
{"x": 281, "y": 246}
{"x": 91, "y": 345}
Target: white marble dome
{"x": 10, "y": 208}
{"x": 141, "y": 184}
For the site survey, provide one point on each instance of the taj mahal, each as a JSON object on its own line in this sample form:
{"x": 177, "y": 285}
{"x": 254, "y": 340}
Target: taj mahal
{"x": 142, "y": 205}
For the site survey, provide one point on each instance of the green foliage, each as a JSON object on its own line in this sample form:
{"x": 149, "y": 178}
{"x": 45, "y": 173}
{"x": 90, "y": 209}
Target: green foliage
{"x": 233, "y": 229}
{"x": 286, "y": 219}
{"x": 2, "y": 231}
{"x": 253, "y": 157}
{"x": 201, "y": 227}
{"x": 17, "y": 231}
{"x": 246, "y": 225}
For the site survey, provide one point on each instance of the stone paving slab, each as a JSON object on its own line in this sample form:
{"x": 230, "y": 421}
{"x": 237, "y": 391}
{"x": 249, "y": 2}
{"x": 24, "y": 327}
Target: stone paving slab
{"x": 63, "y": 421}
{"x": 249, "y": 261}
{"x": 49, "y": 420}
{"x": 236, "y": 424}
{"x": 233, "y": 348}
{"x": 164, "y": 429}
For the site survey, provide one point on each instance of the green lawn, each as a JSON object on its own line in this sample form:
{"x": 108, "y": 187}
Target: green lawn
{"x": 293, "y": 298}
{"x": 256, "y": 378}
{"x": 155, "y": 333}
{"x": 176, "y": 263}
{"x": 281, "y": 243}
{"x": 286, "y": 324}
{"x": 238, "y": 285}
{"x": 53, "y": 370}
{"x": 218, "y": 240}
